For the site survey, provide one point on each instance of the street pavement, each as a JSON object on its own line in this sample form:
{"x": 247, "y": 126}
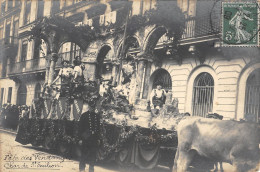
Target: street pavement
{"x": 16, "y": 157}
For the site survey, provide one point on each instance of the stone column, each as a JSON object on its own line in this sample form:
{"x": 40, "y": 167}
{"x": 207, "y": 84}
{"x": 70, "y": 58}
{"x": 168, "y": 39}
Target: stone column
{"x": 53, "y": 60}
{"x": 90, "y": 68}
{"x": 47, "y": 58}
{"x": 147, "y": 78}
{"x": 139, "y": 76}
{"x": 115, "y": 70}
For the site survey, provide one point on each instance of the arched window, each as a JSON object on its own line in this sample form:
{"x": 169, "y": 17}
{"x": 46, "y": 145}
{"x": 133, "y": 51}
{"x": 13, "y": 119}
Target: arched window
{"x": 203, "y": 93}
{"x": 103, "y": 63}
{"x": 37, "y": 92}
{"x": 22, "y": 94}
{"x": 68, "y": 51}
{"x": 252, "y": 98}
{"x": 162, "y": 76}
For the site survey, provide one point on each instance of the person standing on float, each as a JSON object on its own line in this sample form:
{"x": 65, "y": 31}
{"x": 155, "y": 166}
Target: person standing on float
{"x": 64, "y": 79}
{"x": 78, "y": 77}
{"x": 62, "y": 89}
{"x": 89, "y": 134}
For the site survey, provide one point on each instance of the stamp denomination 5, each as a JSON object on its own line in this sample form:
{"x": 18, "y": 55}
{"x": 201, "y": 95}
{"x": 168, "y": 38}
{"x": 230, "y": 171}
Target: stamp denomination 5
{"x": 240, "y": 24}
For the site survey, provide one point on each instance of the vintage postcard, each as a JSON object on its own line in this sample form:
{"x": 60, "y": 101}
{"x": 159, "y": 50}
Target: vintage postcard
{"x": 129, "y": 85}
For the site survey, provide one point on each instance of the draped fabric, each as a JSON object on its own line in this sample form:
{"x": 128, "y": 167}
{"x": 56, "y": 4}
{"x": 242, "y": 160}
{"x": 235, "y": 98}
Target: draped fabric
{"x": 143, "y": 156}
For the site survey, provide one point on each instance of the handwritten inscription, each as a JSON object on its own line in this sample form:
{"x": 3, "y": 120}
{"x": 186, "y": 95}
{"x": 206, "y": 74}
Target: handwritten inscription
{"x": 34, "y": 161}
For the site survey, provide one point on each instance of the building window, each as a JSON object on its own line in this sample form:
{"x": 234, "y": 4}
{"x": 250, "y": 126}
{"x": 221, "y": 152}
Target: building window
{"x": 69, "y": 51}
{"x": 17, "y": 2}
{"x": 1, "y": 33}
{"x": 37, "y": 92}
{"x": 4, "y": 65}
{"x": 55, "y": 7}
{"x": 3, "y": 7}
{"x": 10, "y": 4}
{"x": 27, "y": 12}
{"x": 22, "y": 94}
{"x": 252, "y": 98}
{"x": 7, "y": 34}
{"x": 24, "y": 51}
{"x": 9, "y": 98}
{"x": 203, "y": 93}
{"x": 15, "y": 31}
{"x": 2, "y": 96}
{"x": 37, "y": 50}
{"x": 40, "y": 12}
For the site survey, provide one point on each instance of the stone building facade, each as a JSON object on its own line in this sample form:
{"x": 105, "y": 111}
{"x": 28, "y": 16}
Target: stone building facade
{"x": 203, "y": 76}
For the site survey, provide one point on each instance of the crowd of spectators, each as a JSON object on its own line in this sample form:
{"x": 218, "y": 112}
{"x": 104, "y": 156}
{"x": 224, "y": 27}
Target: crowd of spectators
{"x": 10, "y": 114}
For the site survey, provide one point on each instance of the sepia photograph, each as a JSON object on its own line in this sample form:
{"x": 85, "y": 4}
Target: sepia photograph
{"x": 130, "y": 85}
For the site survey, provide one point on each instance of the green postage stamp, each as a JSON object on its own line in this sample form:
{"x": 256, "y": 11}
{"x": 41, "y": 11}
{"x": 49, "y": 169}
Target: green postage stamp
{"x": 240, "y": 24}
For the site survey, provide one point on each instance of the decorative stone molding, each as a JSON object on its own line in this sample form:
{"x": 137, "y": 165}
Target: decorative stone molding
{"x": 89, "y": 60}
{"x": 144, "y": 56}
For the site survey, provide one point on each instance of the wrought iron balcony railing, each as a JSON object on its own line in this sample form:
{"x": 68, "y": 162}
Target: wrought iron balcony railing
{"x": 27, "y": 66}
{"x": 39, "y": 64}
{"x": 196, "y": 27}
{"x": 200, "y": 26}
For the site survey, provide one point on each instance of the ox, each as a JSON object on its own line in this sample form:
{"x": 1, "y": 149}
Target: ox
{"x": 218, "y": 141}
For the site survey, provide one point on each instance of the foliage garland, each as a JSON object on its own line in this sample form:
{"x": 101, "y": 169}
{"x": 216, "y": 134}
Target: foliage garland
{"x": 30, "y": 131}
{"x": 167, "y": 15}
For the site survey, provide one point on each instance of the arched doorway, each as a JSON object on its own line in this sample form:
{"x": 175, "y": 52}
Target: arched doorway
{"x": 21, "y": 95}
{"x": 252, "y": 97}
{"x": 127, "y": 53}
{"x": 104, "y": 66}
{"x": 203, "y": 94}
{"x": 162, "y": 76}
{"x": 37, "y": 92}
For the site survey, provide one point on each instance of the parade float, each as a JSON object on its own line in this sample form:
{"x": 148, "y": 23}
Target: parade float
{"x": 129, "y": 135}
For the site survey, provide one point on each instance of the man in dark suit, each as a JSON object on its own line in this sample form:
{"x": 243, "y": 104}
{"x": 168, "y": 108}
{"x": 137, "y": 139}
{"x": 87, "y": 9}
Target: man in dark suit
{"x": 89, "y": 134}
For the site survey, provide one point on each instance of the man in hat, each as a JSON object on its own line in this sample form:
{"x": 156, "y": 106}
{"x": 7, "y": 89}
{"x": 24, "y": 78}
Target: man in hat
{"x": 89, "y": 133}
{"x": 157, "y": 97}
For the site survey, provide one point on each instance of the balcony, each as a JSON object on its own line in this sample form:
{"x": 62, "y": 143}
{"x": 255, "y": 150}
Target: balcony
{"x": 32, "y": 65}
{"x": 38, "y": 64}
{"x": 200, "y": 26}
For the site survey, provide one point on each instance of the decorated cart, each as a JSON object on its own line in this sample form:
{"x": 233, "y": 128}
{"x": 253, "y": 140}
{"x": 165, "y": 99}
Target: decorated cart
{"x": 126, "y": 138}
